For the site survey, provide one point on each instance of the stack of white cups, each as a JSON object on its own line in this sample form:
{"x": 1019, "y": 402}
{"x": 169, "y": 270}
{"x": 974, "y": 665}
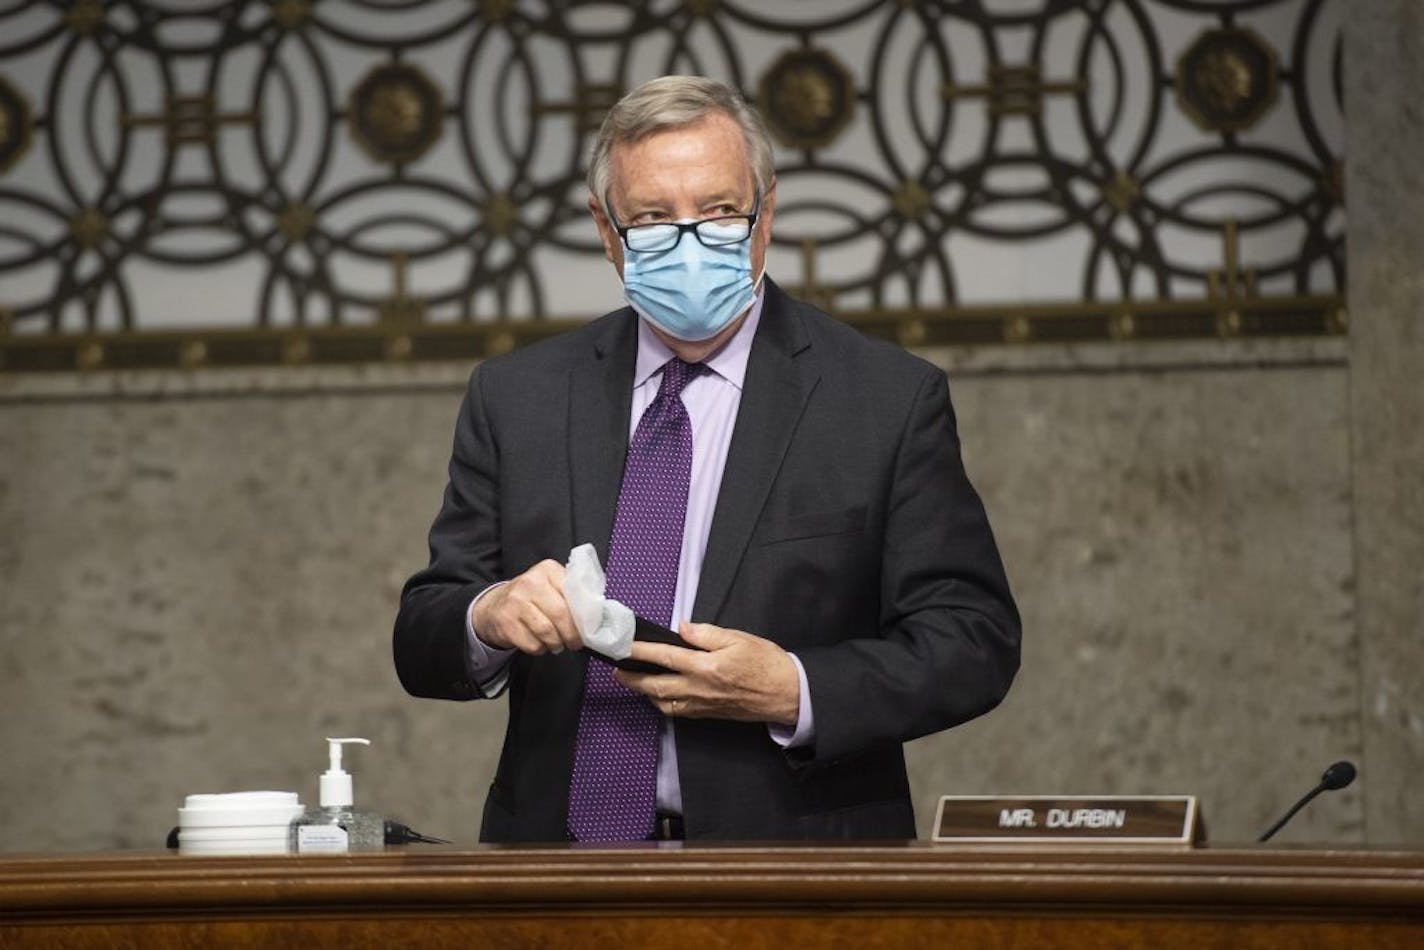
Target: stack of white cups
{"x": 237, "y": 823}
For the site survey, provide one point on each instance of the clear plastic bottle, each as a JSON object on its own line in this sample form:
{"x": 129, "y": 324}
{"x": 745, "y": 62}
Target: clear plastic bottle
{"x": 336, "y": 827}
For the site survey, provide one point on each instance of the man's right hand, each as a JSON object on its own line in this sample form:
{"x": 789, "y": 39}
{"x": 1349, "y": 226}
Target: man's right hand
{"x": 528, "y": 613}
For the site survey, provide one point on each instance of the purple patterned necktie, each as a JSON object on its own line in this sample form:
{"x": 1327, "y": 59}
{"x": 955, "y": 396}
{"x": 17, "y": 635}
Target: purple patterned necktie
{"x": 614, "y": 784}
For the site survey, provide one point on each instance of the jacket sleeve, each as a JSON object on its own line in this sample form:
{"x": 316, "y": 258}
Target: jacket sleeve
{"x": 948, "y": 644}
{"x": 430, "y": 640}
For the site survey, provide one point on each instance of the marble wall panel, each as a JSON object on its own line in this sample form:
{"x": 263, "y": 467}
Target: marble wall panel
{"x": 1179, "y": 541}
{"x": 197, "y": 591}
{"x": 1384, "y": 80}
{"x": 197, "y": 585}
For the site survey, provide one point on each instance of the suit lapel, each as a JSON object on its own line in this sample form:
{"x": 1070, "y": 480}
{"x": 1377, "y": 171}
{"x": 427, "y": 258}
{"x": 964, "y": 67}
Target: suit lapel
{"x": 780, "y": 378}
{"x": 600, "y": 397}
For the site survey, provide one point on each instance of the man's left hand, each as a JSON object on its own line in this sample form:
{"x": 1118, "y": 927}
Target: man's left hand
{"x": 732, "y": 675}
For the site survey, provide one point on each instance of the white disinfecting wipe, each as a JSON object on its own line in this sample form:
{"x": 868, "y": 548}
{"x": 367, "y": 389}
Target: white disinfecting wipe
{"x": 604, "y": 625}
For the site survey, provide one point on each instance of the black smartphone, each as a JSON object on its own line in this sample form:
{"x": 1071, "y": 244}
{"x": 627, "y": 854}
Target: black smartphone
{"x": 647, "y": 632}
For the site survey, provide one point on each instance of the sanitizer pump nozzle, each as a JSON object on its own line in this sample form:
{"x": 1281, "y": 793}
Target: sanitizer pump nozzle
{"x": 335, "y": 781}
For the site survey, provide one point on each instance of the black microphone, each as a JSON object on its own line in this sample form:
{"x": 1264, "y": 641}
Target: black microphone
{"x": 1336, "y": 777}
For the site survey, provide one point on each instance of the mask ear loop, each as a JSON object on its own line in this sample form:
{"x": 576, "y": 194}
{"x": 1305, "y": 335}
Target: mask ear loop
{"x": 761, "y": 197}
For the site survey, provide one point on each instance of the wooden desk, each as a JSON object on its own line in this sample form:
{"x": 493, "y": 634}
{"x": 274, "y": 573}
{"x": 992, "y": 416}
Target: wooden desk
{"x": 695, "y": 897}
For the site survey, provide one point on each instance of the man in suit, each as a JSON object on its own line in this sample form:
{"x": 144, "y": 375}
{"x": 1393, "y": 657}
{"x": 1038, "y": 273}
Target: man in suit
{"x": 812, "y": 535}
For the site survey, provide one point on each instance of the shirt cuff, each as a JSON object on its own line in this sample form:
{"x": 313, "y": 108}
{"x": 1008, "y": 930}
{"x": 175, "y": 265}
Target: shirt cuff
{"x": 804, "y": 732}
{"x": 488, "y": 666}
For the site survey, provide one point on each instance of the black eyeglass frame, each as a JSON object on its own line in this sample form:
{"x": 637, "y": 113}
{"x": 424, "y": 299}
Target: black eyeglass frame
{"x": 683, "y": 227}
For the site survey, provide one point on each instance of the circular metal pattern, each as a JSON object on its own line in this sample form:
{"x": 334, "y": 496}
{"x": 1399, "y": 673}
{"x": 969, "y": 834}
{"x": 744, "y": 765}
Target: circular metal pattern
{"x": 89, "y": 227}
{"x": 910, "y": 200}
{"x": 291, "y": 14}
{"x": 85, "y": 17}
{"x": 806, "y": 97}
{"x": 917, "y": 141}
{"x": 1226, "y": 80}
{"x": 16, "y": 125}
{"x": 396, "y": 113}
{"x": 295, "y": 222}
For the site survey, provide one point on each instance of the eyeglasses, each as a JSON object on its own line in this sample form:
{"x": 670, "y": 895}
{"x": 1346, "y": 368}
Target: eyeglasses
{"x": 665, "y": 235}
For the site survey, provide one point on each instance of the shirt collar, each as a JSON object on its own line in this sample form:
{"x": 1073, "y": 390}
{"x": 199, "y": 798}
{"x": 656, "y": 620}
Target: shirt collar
{"x": 729, "y": 361}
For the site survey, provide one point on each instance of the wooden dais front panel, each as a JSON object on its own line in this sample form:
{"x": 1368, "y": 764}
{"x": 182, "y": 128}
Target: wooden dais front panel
{"x": 685, "y": 897}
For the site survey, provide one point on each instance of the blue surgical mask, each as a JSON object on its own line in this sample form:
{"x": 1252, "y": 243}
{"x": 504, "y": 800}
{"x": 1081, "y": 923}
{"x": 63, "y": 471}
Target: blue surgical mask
{"x": 691, "y": 291}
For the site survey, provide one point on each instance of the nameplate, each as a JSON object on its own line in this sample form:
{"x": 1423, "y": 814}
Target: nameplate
{"x": 1109, "y": 819}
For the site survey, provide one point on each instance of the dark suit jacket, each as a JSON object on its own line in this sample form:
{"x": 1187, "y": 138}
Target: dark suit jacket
{"x": 845, "y": 530}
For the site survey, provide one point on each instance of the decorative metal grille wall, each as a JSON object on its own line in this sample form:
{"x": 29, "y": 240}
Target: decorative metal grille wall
{"x": 402, "y": 179}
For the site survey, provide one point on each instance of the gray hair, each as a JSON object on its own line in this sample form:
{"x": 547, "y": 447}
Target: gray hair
{"x": 669, "y": 102}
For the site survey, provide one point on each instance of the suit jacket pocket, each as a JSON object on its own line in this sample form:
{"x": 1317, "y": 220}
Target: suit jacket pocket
{"x": 813, "y": 524}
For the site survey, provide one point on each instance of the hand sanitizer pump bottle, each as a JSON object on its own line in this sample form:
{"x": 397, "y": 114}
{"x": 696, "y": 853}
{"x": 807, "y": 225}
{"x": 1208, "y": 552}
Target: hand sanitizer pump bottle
{"x": 336, "y": 827}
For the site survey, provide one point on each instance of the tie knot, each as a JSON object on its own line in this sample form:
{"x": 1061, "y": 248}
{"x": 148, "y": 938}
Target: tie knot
{"x": 676, "y": 375}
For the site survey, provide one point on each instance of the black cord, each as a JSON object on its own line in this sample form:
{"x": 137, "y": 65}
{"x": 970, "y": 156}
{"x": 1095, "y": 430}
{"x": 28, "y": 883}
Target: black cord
{"x": 397, "y": 833}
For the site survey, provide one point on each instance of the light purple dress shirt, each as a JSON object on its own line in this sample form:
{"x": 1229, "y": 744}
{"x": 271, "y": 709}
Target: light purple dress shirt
{"x": 712, "y": 399}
